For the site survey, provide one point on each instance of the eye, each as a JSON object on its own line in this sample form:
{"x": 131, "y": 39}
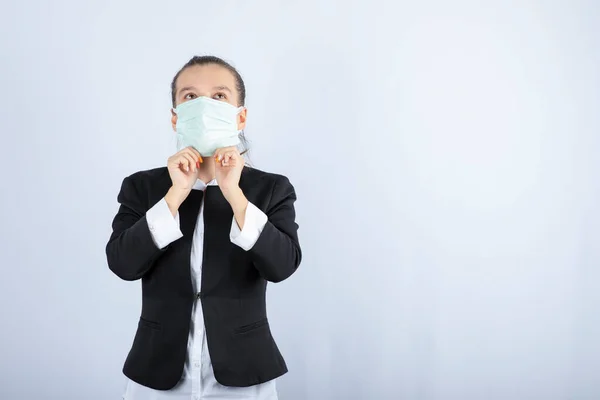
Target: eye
{"x": 220, "y": 96}
{"x": 189, "y": 96}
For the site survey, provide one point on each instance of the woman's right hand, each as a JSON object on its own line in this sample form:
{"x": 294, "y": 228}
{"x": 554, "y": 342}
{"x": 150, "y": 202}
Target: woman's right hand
{"x": 183, "y": 170}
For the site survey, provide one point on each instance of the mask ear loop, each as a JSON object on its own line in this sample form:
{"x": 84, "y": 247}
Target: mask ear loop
{"x": 244, "y": 148}
{"x": 244, "y": 151}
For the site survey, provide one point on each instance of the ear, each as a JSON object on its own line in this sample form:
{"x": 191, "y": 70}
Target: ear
{"x": 173, "y": 120}
{"x": 241, "y": 119}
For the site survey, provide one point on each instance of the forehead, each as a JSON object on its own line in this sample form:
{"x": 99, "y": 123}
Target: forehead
{"x": 206, "y": 77}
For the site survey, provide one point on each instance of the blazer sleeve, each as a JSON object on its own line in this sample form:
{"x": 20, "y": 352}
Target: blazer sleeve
{"x": 131, "y": 251}
{"x": 276, "y": 254}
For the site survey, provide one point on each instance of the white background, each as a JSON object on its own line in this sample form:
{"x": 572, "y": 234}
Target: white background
{"x": 444, "y": 156}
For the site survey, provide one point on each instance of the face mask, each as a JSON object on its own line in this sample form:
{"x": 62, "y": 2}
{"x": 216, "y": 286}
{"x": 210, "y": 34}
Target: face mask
{"x": 207, "y": 125}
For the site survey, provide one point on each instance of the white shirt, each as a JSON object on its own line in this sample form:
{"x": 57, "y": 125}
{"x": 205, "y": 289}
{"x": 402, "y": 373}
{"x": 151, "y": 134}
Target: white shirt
{"x": 198, "y": 381}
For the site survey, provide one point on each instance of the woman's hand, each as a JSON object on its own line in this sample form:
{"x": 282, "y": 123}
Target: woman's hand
{"x": 183, "y": 170}
{"x": 229, "y": 164}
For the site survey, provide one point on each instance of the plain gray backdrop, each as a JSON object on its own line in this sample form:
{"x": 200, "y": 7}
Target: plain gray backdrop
{"x": 445, "y": 159}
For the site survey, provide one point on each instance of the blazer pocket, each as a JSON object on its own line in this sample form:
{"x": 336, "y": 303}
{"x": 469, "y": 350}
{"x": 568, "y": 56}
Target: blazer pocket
{"x": 150, "y": 324}
{"x": 250, "y": 327}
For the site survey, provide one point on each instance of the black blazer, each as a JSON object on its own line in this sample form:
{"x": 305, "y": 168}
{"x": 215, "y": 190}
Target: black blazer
{"x": 233, "y": 286}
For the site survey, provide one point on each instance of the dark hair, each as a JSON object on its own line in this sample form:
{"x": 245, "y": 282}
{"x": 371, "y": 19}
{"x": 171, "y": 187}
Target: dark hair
{"x": 206, "y": 60}
{"x": 239, "y": 85}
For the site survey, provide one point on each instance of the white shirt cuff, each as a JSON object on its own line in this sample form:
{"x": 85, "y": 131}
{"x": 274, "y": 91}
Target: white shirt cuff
{"x": 164, "y": 228}
{"x": 254, "y": 222}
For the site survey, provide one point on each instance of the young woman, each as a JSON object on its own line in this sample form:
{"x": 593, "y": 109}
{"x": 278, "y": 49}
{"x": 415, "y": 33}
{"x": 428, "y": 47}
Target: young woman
{"x": 204, "y": 234}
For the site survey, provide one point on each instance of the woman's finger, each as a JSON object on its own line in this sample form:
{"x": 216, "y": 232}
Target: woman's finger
{"x": 189, "y": 163}
{"x": 194, "y": 154}
{"x": 191, "y": 150}
{"x": 192, "y": 160}
{"x": 219, "y": 155}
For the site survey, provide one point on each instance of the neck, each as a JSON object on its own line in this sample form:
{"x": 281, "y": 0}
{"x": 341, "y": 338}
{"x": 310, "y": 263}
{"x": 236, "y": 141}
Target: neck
{"x": 206, "y": 172}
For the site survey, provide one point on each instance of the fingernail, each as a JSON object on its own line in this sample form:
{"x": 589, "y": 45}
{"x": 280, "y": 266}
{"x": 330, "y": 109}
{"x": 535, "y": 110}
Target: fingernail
{"x": 197, "y": 164}
{"x": 200, "y": 160}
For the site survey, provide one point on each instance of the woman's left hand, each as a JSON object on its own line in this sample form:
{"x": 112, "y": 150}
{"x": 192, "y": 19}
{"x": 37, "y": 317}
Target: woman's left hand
{"x": 229, "y": 164}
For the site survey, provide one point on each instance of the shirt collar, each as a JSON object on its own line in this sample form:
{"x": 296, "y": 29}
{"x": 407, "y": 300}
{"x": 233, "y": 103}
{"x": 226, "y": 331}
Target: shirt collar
{"x": 199, "y": 185}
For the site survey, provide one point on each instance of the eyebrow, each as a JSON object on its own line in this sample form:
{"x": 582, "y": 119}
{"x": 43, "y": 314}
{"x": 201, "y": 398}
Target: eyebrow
{"x": 224, "y": 88}
{"x": 183, "y": 89}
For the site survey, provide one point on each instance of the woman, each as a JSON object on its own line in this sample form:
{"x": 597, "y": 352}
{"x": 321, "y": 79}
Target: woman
{"x": 204, "y": 235}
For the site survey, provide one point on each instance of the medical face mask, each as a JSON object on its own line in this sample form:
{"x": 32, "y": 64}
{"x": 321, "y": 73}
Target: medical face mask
{"x": 207, "y": 125}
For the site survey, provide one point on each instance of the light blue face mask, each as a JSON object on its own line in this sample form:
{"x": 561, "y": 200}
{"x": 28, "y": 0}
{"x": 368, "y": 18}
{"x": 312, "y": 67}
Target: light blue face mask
{"x": 207, "y": 125}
